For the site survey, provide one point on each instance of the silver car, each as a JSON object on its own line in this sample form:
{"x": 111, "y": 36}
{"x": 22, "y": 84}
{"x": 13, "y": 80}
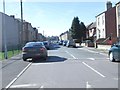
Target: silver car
{"x": 34, "y": 50}
{"x": 71, "y": 43}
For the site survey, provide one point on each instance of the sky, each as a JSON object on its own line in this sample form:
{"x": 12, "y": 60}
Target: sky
{"x": 53, "y": 18}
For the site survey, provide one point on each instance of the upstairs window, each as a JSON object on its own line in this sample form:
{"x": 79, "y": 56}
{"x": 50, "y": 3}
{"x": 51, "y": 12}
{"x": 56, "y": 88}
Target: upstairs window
{"x": 103, "y": 20}
{"x": 98, "y": 21}
{"x": 119, "y": 11}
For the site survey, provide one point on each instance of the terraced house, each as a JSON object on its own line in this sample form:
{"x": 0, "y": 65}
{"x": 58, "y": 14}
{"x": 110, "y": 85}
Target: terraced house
{"x": 107, "y": 24}
{"x": 11, "y": 33}
{"x": 118, "y": 18}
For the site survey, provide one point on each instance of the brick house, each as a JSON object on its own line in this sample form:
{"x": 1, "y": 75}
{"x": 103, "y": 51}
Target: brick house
{"x": 91, "y": 31}
{"x": 118, "y": 19}
{"x": 106, "y": 25}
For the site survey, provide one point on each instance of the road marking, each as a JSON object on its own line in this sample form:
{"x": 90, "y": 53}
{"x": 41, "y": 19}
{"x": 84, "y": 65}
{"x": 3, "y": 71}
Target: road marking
{"x": 37, "y": 64}
{"x": 94, "y": 51}
{"x": 24, "y": 85}
{"x": 93, "y": 69}
{"x": 71, "y": 55}
{"x": 18, "y": 75}
{"x": 116, "y": 79}
{"x": 89, "y": 50}
{"x": 91, "y": 58}
{"x": 42, "y": 86}
{"x": 88, "y": 85}
{"x": 103, "y": 54}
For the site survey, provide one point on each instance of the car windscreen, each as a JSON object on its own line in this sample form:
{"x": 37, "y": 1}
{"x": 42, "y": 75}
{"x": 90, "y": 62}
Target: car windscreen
{"x": 36, "y": 44}
{"x": 45, "y": 43}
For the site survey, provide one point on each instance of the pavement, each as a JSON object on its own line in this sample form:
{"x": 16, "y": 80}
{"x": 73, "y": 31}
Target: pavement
{"x": 6, "y": 62}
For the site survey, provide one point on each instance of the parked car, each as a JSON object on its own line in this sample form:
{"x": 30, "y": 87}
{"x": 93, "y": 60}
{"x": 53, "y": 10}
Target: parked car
{"x": 34, "y": 50}
{"x": 60, "y": 42}
{"x": 114, "y": 52}
{"x": 65, "y": 42}
{"x": 47, "y": 44}
{"x": 71, "y": 43}
{"x": 89, "y": 43}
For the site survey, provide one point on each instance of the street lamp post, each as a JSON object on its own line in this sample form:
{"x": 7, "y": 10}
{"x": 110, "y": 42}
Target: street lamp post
{"x": 4, "y": 31}
{"x": 21, "y": 22}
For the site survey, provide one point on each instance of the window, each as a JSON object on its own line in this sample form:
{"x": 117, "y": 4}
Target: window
{"x": 103, "y": 20}
{"x": 98, "y": 21}
{"x": 119, "y": 11}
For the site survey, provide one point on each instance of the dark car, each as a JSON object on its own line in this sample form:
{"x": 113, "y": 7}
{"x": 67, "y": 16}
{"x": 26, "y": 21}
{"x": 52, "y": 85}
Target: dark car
{"x": 65, "y": 42}
{"x": 47, "y": 44}
{"x": 60, "y": 42}
{"x": 114, "y": 52}
{"x": 34, "y": 50}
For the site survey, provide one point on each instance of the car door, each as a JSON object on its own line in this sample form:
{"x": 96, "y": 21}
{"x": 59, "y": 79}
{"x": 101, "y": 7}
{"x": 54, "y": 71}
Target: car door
{"x": 119, "y": 50}
{"x": 116, "y": 51}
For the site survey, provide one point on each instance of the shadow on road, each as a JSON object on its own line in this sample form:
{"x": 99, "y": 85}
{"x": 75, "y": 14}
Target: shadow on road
{"x": 50, "y": 59}
{"x": 79, "y": 46}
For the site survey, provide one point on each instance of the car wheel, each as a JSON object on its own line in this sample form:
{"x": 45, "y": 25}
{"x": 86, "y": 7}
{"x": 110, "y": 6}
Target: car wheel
{"x": 24, "y": 59}
{"x": 45, "y": 58}
{"x": 111, "y": 57}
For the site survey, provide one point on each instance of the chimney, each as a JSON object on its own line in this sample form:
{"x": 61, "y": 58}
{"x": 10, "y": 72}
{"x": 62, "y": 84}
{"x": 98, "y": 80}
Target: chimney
{"x": 109, "y": 5}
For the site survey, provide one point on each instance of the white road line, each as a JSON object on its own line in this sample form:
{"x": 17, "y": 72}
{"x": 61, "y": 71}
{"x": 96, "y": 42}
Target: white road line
{"x": 93, "y": 69}
{"x": 18, "y": 75}
{"x": 37, "y": 64}
{"x": 103, "y": 54}
{"x": 91, "y": 58}
{"x": 88, "y": 85}
{"x": 94, "y": 52}
{"x": 42, "y": 87}
{"x": 89, "y": 50}
{"x": 71, "y": 55}
{"x": 24, "y": 85}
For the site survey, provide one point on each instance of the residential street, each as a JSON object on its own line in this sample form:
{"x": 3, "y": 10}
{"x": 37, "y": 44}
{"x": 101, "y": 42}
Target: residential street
{"x": 65, "y": 68}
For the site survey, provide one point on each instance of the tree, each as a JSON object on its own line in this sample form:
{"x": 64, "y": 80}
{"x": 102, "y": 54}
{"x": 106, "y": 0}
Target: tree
{"x": 83, "y": 31}
{"x": 78, "y": 30}
{"x": 75, "y": 28}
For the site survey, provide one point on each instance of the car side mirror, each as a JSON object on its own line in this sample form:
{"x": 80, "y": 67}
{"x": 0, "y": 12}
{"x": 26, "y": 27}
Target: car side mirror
{"x": 117, "y": 45}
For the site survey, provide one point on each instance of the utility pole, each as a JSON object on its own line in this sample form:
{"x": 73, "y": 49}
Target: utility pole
{"x": 21, "y": 23}
{"x": 4, "y": 31}
{"x": 43, "y": 32}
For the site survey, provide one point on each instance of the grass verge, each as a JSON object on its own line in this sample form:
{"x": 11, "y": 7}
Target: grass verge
{"x": 9, "y": 53}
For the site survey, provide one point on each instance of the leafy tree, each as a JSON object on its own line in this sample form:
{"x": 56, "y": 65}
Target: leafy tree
{"x": 75, "y": 28}
{"x": 83, "y": 31}
{"x": 78, "y": 30}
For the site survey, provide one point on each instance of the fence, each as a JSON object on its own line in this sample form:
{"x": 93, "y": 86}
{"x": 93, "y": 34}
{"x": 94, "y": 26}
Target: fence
{"x": 11, "y": 51}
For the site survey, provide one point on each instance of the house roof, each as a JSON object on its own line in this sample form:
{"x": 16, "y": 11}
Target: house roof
{"x": 105, "y": 11}
{"x": 100, "y": 14}
{"x": 93, "y": 25}
{"x": 117, "y": 3}
{"x": 88, "y": 26}
{"x": 64, "y": 33}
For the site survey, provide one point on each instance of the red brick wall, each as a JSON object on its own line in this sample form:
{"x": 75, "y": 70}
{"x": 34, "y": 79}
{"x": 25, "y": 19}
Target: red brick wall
{"x": 110, "y": 19}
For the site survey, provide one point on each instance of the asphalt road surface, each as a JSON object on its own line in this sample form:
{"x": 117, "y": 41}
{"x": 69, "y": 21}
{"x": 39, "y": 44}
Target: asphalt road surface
{"x": 65, "y": 68}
